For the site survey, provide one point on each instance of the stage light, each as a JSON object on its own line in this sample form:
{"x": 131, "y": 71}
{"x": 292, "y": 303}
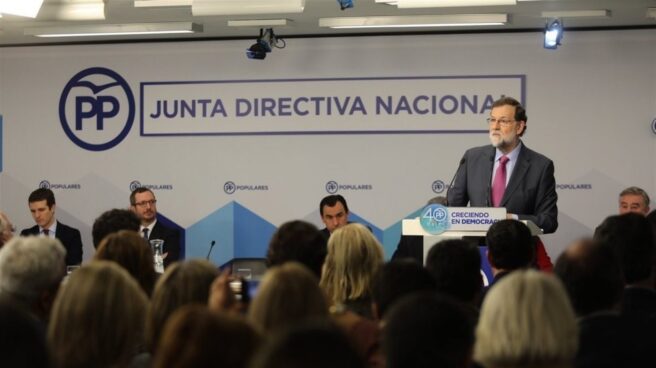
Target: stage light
{"x": 553, "y": 34}
{"x": 345, "y": 4}
{"x": 264, "y": 44}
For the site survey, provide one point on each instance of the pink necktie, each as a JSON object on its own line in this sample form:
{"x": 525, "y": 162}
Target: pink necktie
{"x": 499, "y": 183}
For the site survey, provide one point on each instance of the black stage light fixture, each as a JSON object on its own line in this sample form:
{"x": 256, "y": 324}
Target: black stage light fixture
{"x": 264, "y": 44}
{"x": 344, "y": 4}
{"x": 553, "y": 34}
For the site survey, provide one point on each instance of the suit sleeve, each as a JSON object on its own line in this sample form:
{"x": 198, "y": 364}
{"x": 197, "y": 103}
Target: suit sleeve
{"x": 457, "y": 195}
{"x": 546, "y": 209}
{"x": 172, "y": 245}
{"x": 74, "y": 256}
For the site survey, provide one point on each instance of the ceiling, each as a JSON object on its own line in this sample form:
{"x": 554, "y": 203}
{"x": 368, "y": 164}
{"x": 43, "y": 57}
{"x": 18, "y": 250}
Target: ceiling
{"x": 525, "y": 15}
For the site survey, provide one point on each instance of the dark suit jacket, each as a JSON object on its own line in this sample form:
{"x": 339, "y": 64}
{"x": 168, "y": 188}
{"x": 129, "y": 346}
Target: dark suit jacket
{"x": 171, "y": 239}
{"x": 530, "y": 194}
{"x": 68, "y": 236}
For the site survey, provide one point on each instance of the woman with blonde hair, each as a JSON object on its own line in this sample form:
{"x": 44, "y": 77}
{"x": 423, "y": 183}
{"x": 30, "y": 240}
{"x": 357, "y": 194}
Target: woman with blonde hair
{"x": 131, "y": 251}
{"x": 526, "y": 321}
{"x": 98, "y": 318}
{"x": 354, "y": 256}
{"x": 289, "y": 294}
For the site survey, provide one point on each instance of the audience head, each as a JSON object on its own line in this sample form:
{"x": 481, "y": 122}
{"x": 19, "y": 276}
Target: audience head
{"x": 7, "y": 229}
{"x": 632, "y": 237}
{"x": 131, "y": 251}
{"x": 194, "y": 336}
{"x": 510, "y": 245}
{"x": 31, "y": 269}
{"x": 288, "y": 294}
{"x": 592, "y": 276}
{"x": 98, "y": 318}
{"x": 183, "y": 283}
{"x": 428, "y": 330}
{"x": 354, "y": 256}
{"x": 113, "y": 221}
{"x": 634, "y": 199}
{"x": 334, "y": 212}
{"x": 456, "y": 267}
{"x": 316, "y": 344}
{"x": 526, "y": 321}
{"x": 298, "y": 241}
{"x": 22, "y": 343}
{"x": 396, "y": 279}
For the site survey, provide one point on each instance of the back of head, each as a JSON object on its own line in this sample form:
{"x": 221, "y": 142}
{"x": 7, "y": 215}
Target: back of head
{"x": 526, "y": 321}
{"x": 98, "y": 318}
{"x": 6, "y": 229}
{"x": 353, "y": 258}
{"x": 298, "y": 241}
{"x": 194, "y": 337}
{"x": 396, "y": 279}
{"x": 289, "y": 294}
{"x": 632, "y": 237}
{"x": 22, "y": 342}
{"x": 314, "y": 344}
{"x": 510, "y": 245}
{"x": 113, "y": 221}
{"x": 428, "y": 330}
{"x": 183, "y": 283}
{"x": 592, "y": 276}
{"x": 456, "y": 267}
{"x": 130, "y": 251}
{"x": 31, "y": 267}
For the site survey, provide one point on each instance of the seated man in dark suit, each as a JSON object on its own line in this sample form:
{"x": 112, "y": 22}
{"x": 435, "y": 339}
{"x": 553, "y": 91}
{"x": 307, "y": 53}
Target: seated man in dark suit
{"x": 334, "y": 213}
{"x": 42, "y": 206}
{"x": 144, "y": 205}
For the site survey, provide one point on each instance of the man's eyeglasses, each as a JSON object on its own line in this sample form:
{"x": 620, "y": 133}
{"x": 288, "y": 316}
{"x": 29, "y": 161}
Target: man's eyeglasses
{"x": 502, "y": 122}
{"x": 146, "y": 203}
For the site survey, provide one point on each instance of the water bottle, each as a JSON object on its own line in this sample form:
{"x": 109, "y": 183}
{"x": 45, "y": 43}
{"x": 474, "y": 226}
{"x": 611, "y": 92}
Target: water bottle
{"x": 158, "y": 245}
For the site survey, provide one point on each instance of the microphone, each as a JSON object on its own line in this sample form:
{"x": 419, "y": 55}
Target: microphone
{"x": 488, "y": 191}
{"x": 210, "y": 251}
{"x": 462, "y": 162}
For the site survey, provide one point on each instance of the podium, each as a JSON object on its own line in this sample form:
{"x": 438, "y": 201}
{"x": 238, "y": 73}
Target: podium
{"x": 464, "y": 222}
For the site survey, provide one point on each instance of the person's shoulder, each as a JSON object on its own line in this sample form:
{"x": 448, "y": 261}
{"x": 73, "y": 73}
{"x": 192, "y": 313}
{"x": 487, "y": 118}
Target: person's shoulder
{"x": 535, "y": 156}
{"x": 65, "y": 227}
{"x": 165, "y": 229}
{"x": 30, "y": 230}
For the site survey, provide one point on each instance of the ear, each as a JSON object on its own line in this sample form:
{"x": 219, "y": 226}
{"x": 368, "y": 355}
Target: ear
{"x": 521, "y": 127}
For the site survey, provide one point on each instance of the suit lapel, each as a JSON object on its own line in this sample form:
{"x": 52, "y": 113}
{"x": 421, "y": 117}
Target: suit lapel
{"x": 489, "y": 162}
{"x": 518, "y": 174}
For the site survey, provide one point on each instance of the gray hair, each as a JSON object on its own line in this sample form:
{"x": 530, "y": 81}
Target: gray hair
{"x": 636, "y": 191}
{"x": 526, "y": 321}
{"x": 29, "y": 266}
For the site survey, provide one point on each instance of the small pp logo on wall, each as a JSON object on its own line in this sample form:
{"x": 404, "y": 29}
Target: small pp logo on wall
{"x": 438, "y": 186}
{"x": 333, "y": 187}
{"x": 96, "y": 109}
{"x": 229, "y": 187}
{"x": 45, "y": 184}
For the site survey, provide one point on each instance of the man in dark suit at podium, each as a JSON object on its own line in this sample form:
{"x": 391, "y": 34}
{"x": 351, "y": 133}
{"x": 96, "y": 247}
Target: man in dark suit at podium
{"x": 42, "y": 206}
{"x": 507, "y": 173}
{"x": 144, "y": 205}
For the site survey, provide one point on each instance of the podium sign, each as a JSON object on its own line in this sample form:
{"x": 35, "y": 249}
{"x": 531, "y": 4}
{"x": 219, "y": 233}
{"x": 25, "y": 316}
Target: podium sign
{"x": 462, "y": 222}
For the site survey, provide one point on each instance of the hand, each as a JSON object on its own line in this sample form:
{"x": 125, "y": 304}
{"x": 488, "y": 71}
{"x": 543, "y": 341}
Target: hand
{"x": 222, "y": 298}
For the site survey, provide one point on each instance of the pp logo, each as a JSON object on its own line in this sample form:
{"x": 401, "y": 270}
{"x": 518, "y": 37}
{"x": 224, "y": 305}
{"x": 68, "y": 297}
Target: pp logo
{"x": 44, "y": 184}
{"x": 653, "y": 126}
{"x": 434, "y": 219}
{"x": 438, "y": 186}
{"x": 332, "y": 187}
{"x": 135, "y": 184}
{"x": 96, "y": 109}
{"x": 229, "y": 187}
